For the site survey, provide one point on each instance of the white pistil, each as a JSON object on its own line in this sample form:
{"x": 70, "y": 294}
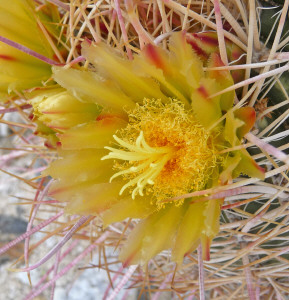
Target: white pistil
{"x": 154, "y": 159}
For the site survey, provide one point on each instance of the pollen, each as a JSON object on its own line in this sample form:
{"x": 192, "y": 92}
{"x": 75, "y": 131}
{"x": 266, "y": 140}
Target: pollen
{"x": 163, "y": 151}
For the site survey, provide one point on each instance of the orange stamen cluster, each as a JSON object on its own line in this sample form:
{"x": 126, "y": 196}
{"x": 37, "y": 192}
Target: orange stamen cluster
{"x": 164, "y": 150}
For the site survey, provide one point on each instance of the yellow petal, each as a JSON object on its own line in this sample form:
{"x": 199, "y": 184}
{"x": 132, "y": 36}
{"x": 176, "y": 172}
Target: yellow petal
{"x": 167, "y": 84}
{"x": 212, "y": 216}
{"x": 152, "y": 235}
{"x": 185, "y": 61}
{"x": 18, "y": 70}
{"x": 138, "y": 208}
{"x": 73, "y": 167}
{"x": 223, "y": 80}
{"x": 62, "y": 102}
{"x": 18, "y": 23}
{"x": 135, "y": 85}
{"x": 179, "y": 71}
{"x": 56, "y": 108}
{"x": 97, "y": 198}
{"x": 90, "y": 87}
{"x": 231, "y": 126}
{"x": 207, "y": 109}
{"x": 88, "y": 198}
{"x": 189, "y": 231}
{"x": 248, "y": 166}
{"x": 230, "y": 164}
{"x": 248, "y": 116}
{"x": 97, "y": 134}
{"x": 211, "y": 225}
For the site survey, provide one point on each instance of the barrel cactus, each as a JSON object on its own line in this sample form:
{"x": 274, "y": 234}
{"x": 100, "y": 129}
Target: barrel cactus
{"x": 166, "y": 131}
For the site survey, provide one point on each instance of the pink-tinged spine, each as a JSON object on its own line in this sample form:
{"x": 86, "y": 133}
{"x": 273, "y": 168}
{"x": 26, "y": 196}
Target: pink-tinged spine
{"x": 201, "y": 273}
{"x": 253, "y": 80}
{"x": 28, "y": 51}
{"x": 233, "y": 192}
{"x": 118, "y": 273}
{"x": 220, "y": 32}
{"x": 32, "y": 295}
{"x": 45, "y": 276}
{"x": 239, "y": 203}
{"x": 29, "y": 233}
{"x": 56, "y": 248}
{"x": 123, "y": 281}
{"x": 13, "y": 109}
{"x": 255, "y": 220}
{"x": 268, "y": 148}
{"x": 35, "y": 207}
{"x": 59, "y": 4}
{"x": 55, "y": 269}
{"x": 249, "y": 279}
{"x": 123, "y": 29}
{"x": 168, "y": 278}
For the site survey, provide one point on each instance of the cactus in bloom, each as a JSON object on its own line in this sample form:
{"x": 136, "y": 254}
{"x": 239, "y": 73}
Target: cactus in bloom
{"x": 163, "y": 132}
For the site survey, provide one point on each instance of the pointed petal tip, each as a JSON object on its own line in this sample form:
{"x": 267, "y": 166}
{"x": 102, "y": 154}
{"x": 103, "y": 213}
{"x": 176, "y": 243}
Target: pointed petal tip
{"x": 203, "y": 92}
{"x": 8, "y": 57}
{"x": 248, "y": 116}
{"x": 154, "y": 55}
{"x": 206, "y": 244}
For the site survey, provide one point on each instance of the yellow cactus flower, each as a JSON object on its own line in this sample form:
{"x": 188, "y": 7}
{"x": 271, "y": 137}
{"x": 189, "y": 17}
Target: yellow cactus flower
{"x": 18, "y": 70}
{"x": 159, "y": 136}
